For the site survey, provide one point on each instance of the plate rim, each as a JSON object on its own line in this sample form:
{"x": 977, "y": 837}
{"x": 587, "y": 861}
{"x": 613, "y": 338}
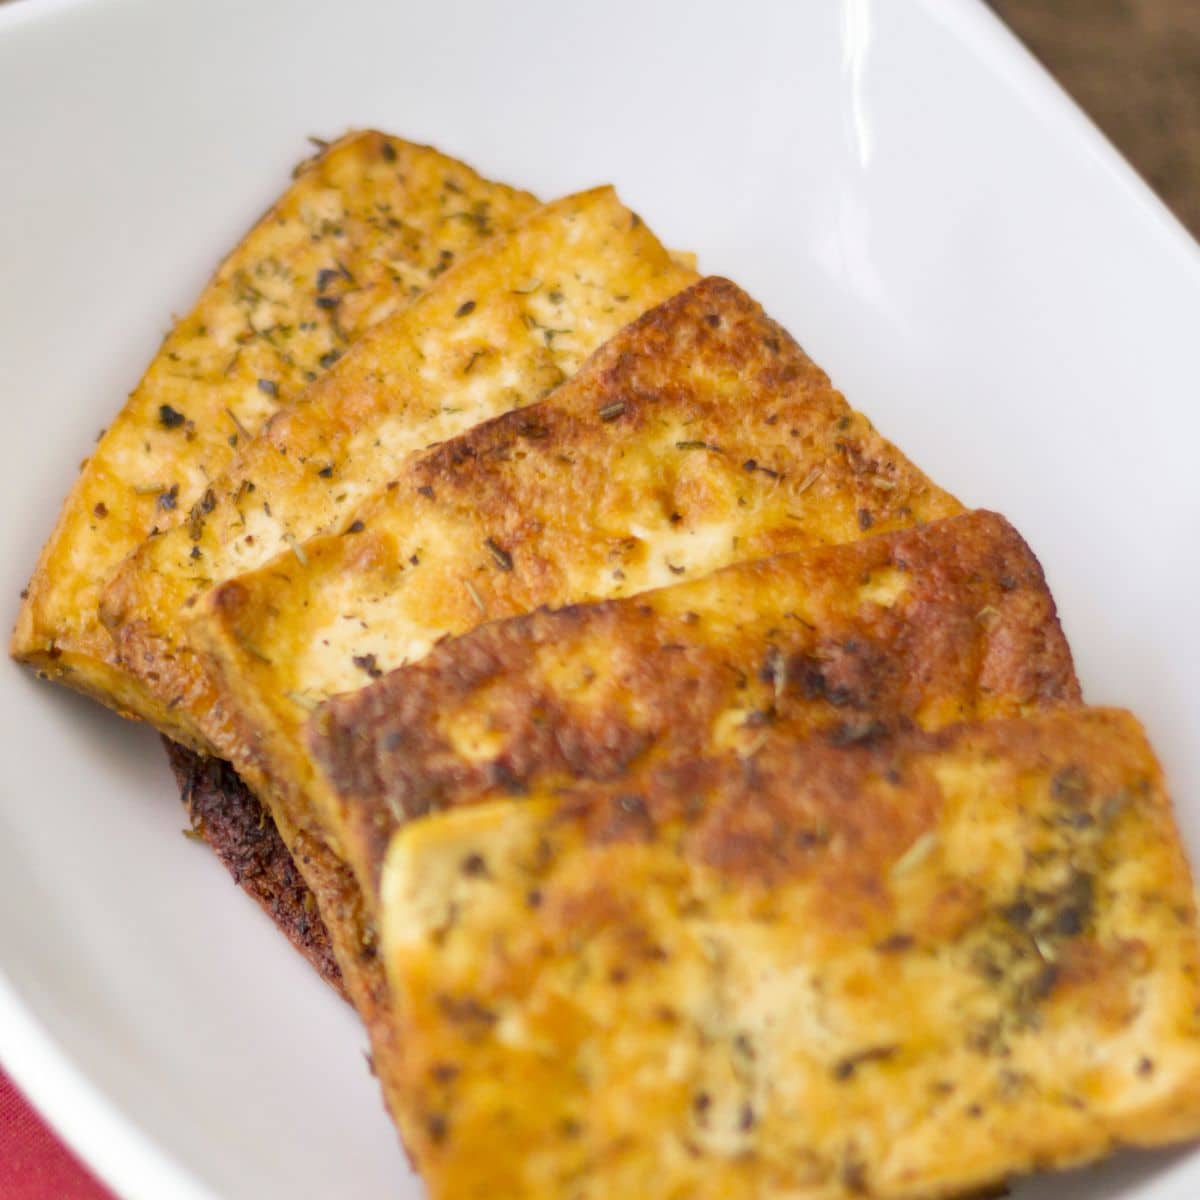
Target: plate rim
{"x": 106, "y": 1139}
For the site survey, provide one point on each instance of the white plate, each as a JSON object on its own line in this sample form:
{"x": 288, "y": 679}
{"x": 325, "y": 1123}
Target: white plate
{"x": 896, "y": 180}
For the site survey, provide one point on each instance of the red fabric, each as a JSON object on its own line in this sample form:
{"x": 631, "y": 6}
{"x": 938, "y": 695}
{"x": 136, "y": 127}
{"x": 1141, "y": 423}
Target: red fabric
{"x": 34, "y": 1164}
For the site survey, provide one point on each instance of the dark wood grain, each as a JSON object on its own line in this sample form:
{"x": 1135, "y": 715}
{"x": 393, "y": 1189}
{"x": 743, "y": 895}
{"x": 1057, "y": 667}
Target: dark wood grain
{"x": 1134, "y": 67}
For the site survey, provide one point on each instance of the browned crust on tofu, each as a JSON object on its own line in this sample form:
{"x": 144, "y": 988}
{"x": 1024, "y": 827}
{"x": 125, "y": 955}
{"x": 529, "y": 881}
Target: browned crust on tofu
{"x": 228, "y": 817}
{"x": 904, "y": 968}
{"x": 369, "y": 222}
{"x": 499, "y": 330}
{"x": 703, "y": 421}
{"x": 945, "y": 623}
{"x": 537, "y": 507}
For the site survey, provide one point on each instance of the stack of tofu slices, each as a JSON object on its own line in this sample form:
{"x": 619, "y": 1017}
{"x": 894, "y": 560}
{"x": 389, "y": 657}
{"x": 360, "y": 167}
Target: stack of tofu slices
{"x": 696, "y": 799}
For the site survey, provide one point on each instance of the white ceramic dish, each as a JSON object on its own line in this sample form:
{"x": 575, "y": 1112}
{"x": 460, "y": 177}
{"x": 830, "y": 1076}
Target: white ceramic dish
{"x": 895, "y": 179}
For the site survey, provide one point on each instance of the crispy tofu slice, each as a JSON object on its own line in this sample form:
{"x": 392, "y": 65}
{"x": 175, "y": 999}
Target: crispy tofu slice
{"x": 699, "y": 436}
{"x": 616, "y": 481}
{"x": 367, "y": 225}
{"x": 496, "y": 332}
{"x": 905, "y": 969}
{"x": 945, "y": 623}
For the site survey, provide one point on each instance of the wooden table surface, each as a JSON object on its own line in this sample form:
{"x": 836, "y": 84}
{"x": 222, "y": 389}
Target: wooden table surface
{"x": 1134, "y": 67}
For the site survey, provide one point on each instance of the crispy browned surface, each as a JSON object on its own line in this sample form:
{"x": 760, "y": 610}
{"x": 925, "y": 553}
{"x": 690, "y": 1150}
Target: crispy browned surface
{"x": 698, "y": 436}
{"x": 496, "y": 332}
{"x": 945, "y": 623}
{"x": 905, "y": 968}
{"x": 366, "y": 226}
{"x": 226, "y": 814}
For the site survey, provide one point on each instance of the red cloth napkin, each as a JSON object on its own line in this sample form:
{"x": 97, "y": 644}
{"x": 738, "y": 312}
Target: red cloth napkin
{"x": 34, "y": 1164}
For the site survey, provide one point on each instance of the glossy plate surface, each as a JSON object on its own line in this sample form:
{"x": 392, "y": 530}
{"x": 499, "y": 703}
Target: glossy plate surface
{"x": 894, "y": 179}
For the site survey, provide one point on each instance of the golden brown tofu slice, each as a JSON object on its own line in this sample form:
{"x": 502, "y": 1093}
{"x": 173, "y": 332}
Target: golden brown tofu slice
{"x": 579, "y": 494}
{"x": 367, "y": 225}
{"x": 945, "y": 623}
{"x": 699, "y": 436}
{"x": 494, "y": 333}
{"x": 902, "y": 969}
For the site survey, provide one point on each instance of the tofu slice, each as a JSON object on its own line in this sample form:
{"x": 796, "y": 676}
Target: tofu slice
{"x": 906, "y": 969}
{"x": 588, "y": 492}
{"x": 368, "y": 224}
{"x": 699, "y": 436}
{"x": 949, "y": 622}
{"x": 494, "y": 333}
